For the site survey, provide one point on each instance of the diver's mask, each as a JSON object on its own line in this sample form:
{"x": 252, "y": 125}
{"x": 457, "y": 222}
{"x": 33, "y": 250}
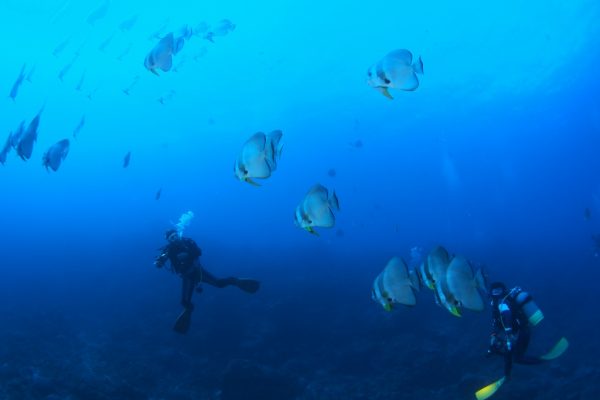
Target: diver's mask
{"x": 497, "y": 292}
{"x": 172, "y": 236}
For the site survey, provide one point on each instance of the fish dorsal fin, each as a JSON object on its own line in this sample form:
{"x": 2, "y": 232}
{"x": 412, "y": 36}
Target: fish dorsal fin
{"x": 400, "y": 56}
{"x": 166, "y": 42}
{"x": 255, "y": 144}
{"x": 418, "y": 66}
{"x": 318, "y": 191}
{"x": 333, "y": 201}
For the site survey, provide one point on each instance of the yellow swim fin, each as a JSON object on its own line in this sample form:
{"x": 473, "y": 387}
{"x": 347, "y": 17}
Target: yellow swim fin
{"x": 559, "y": 348}
{"x": 488, "y": 391}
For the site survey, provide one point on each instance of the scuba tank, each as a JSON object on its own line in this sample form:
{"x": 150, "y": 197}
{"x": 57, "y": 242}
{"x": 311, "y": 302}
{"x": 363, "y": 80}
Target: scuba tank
{"x": 525, "y": 301}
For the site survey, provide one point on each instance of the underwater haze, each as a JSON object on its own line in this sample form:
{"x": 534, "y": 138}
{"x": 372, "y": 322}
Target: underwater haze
{"x": 493, "y": 155}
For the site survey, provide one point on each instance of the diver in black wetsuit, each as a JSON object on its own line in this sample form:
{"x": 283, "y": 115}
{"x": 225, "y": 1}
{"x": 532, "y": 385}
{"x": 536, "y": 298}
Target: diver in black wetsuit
{"x": 513, "y": 313}
{"x": 511, "y": 332}
{"x": 183, "y": 253}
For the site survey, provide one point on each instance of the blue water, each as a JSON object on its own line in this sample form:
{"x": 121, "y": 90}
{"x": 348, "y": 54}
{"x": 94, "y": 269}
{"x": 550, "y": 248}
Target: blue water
{"x": 494, "y": 156}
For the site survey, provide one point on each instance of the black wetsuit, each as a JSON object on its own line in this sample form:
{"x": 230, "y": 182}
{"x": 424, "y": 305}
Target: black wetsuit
{"x": 511, "y": 333}
{"x": 184, "y": 254}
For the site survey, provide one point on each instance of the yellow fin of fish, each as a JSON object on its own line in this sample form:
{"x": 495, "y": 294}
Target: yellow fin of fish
{"x": 310, "y": 229}
{"x": 384, "y": 91}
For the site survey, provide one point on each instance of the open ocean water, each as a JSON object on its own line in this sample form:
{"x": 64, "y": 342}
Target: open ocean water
{"x": 121, "y": 116}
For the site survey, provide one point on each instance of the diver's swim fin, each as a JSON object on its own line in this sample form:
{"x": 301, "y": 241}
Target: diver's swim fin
{"x": 489, "y": 390}
{"x": 182, "y": 325}
{"x": 248, "y": 285}
{"x": 559, "y": 348}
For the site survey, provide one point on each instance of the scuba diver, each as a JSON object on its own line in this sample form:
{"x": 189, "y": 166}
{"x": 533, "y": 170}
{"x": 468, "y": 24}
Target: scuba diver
{"x": 183, "y": 254}
{"x": 513, "y": 313}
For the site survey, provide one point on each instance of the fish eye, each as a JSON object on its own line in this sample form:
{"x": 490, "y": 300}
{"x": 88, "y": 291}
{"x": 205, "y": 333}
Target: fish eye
{"x": 369, "y": 74}
{"x": 387, "y": 81}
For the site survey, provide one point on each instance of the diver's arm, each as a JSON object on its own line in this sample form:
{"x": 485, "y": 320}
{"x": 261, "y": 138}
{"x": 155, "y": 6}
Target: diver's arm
{"x": 160, "y": 260}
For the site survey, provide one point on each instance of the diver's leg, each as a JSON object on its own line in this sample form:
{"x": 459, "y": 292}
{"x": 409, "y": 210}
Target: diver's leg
{"x": 187, "y": 289}
{"x": 246, "y": 285}
{"x": 521, "y": 348}
{"x": 508, "y": 364}
{"x": 209, "y": 278}
{"x": 528, "y": 360}
{"x": 182, "y": 324}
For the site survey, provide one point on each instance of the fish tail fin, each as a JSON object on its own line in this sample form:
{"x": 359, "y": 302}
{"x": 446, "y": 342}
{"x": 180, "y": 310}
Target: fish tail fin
{"x": 413, "y": 277}
{"x": 480, "y": 280}
{"x": 274, "y": 147}
{"x": 418, "y": 66}
{"x": 334, "y": 202}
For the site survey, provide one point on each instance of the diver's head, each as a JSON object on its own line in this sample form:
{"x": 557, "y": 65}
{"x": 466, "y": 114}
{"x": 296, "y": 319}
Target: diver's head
{"x": 497, "y": 290}
{"x": 171, "y": 235}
